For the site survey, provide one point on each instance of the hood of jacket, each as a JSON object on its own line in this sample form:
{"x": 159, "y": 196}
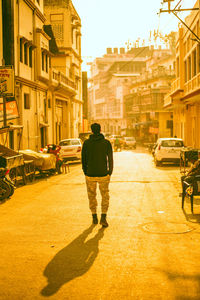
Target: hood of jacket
{"x": 96, "y": 137}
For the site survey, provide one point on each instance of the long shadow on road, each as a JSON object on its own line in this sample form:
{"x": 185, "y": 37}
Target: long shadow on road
{"x": 72, "y": 261}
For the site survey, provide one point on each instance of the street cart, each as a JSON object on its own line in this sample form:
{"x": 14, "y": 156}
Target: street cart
{"x": 13, "y": 161}
{"x": 44, "y": 163}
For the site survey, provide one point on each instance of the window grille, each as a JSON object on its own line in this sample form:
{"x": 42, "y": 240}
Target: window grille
{"x": 58, "y": 31}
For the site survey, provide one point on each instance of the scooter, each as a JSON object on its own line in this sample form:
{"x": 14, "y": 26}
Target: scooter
{"x": 117, "y": 148}
{"x": 7, "y": 187}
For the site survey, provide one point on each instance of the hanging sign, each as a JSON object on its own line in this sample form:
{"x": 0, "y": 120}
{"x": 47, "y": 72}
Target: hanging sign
{"x": 11, "y": 110}
{"x": 153, "y": 130}
{"x": 6, "y": 81}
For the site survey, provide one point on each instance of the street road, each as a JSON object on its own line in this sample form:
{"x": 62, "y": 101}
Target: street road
{"x": 151, "y": 249}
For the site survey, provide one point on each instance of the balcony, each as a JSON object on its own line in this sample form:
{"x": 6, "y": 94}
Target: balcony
{"x": 152, "y": 107}
{"x": 167, "y": 100}
{"x": 176, "y": 87}
{"x": 61, "y": 81}
{"x": 159, "y": 73}
{"x": 192, "y": 86}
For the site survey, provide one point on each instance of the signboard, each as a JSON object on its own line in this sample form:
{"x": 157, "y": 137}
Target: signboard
{"x": 153, "y": 130}
{"x": 11, "y": 110}
{"x": 6, "y": 81}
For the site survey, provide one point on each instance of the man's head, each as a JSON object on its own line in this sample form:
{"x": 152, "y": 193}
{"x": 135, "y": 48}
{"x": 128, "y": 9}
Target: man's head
{"x": 96, "y": 128}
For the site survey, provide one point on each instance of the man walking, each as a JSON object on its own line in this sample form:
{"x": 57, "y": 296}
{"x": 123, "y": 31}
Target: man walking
{"x": 97, "y": 165}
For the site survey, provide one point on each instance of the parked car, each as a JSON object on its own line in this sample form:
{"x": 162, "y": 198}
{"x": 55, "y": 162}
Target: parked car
{"x": 70, "y": 149}
{"x": 84, "y": 136}
{"x": 129, "y": 142}
{"x": 168, "y": 150}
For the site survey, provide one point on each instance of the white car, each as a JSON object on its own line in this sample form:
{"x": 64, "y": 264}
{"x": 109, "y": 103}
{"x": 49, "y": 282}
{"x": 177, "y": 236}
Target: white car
{"x": 168, "y": 150}
{"x": 129, "y": 142}
{"x": 70, "y": 149}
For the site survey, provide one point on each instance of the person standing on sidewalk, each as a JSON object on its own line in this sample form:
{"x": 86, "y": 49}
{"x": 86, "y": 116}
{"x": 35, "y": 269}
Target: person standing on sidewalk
{"x": 97, "y": 165}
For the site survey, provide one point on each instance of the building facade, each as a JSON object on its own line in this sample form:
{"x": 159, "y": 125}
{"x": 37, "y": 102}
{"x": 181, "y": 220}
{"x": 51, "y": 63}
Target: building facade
{"x": 66, "y": 26}
{"x": 144, "y": 105}
{"x": 127, "y": 92}
{"x": 111, "y": 77}
{"x": 184, "y": 98}
{"x": 48, "y": 87}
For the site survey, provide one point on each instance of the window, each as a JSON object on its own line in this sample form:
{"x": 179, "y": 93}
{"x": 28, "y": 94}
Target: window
{"x": 21, "y": 50}
{"x": 72, "y": 33}
{"x": 189, "y": 68}
{"x": 172, "y": 143}
{"x": 75, "y": 142}
{"x": 42, "y": 61}
{"x": 25, "y": 54}
{"x": 65, "y": 143}
{"x": 194, "y": 62}
{"x": 47, "y": 63}
{"x": 177, "y": 67}
{"x": 49, "y": 103}
{"x": 30, "y": 57}
{"x": 185, "y": 73}
{"x": 26, "y": 101}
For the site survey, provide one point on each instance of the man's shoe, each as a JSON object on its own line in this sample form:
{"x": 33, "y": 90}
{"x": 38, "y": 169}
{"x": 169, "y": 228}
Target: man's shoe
{"x": 103, "y": 220}
{"x": 95, "y": 219}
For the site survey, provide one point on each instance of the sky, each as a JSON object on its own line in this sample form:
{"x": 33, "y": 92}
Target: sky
{"x": 112, "y": 23}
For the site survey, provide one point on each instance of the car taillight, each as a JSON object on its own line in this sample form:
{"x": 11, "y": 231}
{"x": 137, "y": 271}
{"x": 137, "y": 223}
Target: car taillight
{"x": 79, "y": 149}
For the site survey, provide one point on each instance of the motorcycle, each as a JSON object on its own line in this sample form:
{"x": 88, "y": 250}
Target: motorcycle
{"x": 7, "y": 187}
{"x": 117, "y": 148}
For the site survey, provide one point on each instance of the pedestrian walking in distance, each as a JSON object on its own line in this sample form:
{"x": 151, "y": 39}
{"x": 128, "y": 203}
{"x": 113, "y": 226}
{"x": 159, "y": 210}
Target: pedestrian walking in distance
{"x": 97, "y": 164}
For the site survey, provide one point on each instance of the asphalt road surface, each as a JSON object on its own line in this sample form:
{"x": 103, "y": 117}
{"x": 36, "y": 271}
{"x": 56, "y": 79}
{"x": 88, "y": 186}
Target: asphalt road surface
{"x": 151, "y": 249}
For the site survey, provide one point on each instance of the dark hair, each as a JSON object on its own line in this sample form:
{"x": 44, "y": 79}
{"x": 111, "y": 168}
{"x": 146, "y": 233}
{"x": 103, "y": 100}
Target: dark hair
{"x": 96, "y": 128}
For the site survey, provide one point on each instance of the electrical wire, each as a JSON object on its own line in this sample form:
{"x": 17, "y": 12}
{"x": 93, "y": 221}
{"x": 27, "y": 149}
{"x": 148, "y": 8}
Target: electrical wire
{"x": 144, "y": 48}
{"x": 172, "y": 17}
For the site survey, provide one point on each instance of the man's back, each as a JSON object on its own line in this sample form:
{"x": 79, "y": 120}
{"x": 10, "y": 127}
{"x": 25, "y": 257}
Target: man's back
{"x": 97, "y": 158}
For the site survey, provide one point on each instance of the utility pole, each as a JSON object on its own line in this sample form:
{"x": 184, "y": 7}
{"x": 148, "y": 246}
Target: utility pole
{"x": 175, "y": 10}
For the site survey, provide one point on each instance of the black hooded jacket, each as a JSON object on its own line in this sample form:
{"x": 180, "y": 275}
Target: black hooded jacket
{"x": 97, "y": 156}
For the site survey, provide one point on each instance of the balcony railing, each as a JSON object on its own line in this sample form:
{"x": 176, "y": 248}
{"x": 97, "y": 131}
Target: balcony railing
{"x": 175, "y": 85}
{"x": 62, "y": 79}
{"x": 167, "y": 100}
{"x": 192, "y": 85}
{"x": 151, "y": 107}
{"x": 156, "y": 74}
{"x": 66, "y": 81}
{"x": 136, "y": 109}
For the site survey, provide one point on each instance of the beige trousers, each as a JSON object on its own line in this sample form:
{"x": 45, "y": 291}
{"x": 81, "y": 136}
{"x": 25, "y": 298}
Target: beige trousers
{"x": 91, "y": 183}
